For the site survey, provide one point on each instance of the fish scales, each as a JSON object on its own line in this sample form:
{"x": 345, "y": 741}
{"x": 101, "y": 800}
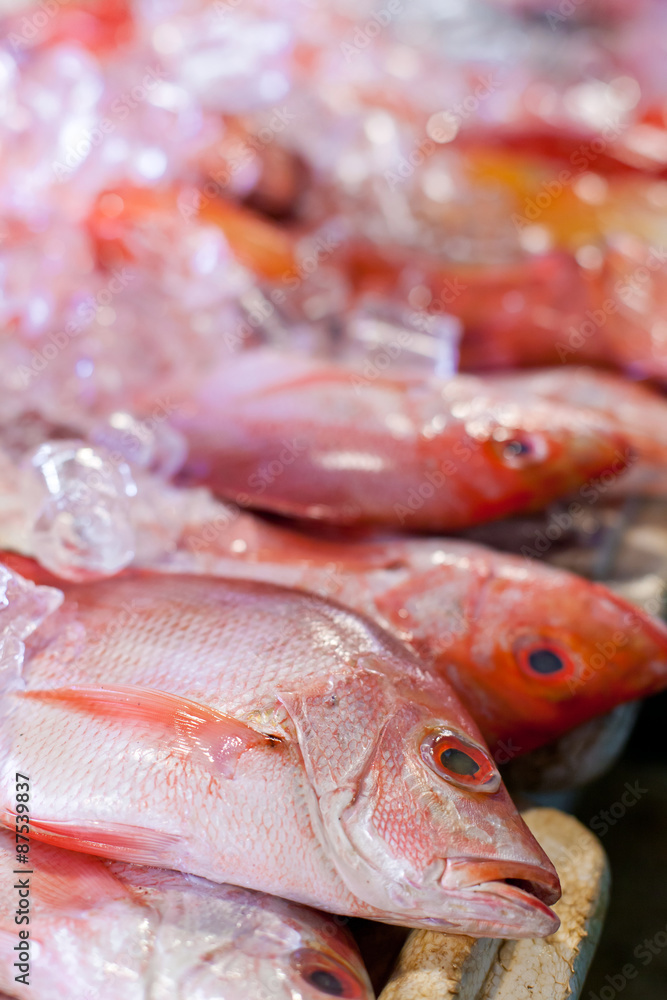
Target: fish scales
{"x": 292, "y": 747}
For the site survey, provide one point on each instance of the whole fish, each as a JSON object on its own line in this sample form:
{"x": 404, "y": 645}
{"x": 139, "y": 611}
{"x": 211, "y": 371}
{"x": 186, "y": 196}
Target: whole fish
{"x": 533, "y": 650}
{"x": 122, "y": 932}
{"x": 311, "y": 439}
{"x": 262, "y": 736}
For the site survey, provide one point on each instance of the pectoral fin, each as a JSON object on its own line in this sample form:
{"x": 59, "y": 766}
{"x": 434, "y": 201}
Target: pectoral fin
{"x": 195, "y": 728}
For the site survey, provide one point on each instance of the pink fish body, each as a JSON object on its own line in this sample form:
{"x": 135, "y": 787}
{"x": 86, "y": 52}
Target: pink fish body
{"x": 310, "y": 439}
{"x": 123, "y": 932}
{"x": 262, "y": 736}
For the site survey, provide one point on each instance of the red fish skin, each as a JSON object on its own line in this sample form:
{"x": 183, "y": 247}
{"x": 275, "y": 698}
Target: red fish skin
{"x": 551, "y": 293}
{"x": 466, "y": 610}
{"x": 364, "y": 826}
{"x": 318, "y": 441}
{"x": 100, "y": 28}
{"x": 620, "y": 158}
{"x": 638, "y": 409}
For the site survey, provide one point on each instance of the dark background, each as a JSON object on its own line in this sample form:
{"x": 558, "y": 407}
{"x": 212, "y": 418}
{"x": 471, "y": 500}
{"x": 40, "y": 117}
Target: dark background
{"x": 637, "y": 848}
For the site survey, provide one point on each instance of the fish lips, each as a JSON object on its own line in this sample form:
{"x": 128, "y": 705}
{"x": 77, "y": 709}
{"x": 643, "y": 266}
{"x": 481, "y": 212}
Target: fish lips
{"x": 502, "y": 899}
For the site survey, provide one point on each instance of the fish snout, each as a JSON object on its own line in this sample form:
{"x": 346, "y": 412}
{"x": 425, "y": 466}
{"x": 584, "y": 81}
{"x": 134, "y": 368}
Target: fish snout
{"x": 506, "y": 899}
{"x": 535, "y": 880}
{"x": 604, "y": 448}
{"x": 625, "y": 656}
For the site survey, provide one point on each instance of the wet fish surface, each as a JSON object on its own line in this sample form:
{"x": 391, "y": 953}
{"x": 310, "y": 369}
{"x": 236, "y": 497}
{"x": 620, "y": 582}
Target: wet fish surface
{"x": 316, "y": 440}
{"x": 119, "y": 931}
{"x": 262, "y": 736}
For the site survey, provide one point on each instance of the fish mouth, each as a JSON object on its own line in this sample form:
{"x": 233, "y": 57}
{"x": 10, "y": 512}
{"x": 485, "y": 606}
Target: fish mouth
{"x": 513, "y": 912}
{"x": 465, "y": 873}
{"x": 504, "y": 899}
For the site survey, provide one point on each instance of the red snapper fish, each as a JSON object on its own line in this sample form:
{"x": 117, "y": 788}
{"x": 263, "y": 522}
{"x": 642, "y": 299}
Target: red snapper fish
{"x": 316, "y": 440}
{"x": 532, "y": 650}
{"x": 122, "y": 932}
{"x": 257, "y": 735}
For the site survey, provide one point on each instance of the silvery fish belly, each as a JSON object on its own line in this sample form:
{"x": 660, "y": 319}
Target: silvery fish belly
{"x": 253, "y": 734}
{"x": 115, "y": 931}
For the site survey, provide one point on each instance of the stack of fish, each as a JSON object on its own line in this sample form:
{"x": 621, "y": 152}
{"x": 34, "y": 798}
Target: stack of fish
{"x": 270, "y": 281}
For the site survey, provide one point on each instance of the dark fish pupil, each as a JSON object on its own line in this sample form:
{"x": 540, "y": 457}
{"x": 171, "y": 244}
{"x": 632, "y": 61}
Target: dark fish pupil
{"x": 544, "y": 661}
{"x": 458, "y": 762}
{"x": 515, "y": 448}
{"x": 326, "y": 982}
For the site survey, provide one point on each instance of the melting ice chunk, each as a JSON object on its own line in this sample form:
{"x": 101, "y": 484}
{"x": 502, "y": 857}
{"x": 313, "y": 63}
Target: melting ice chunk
{"x": 23, "y": 608}
{"x": 82, "y": 528}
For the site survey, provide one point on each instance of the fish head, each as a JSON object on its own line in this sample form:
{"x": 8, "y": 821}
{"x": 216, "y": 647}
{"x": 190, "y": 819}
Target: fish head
{"x": 247, "y": 945}
{"x": 413, "y": 811}
{"x": 549, "y": 650}
{"x": 327, "y": 962}
{"x": 518, "y": 455}
{"x": 282, "y": 951}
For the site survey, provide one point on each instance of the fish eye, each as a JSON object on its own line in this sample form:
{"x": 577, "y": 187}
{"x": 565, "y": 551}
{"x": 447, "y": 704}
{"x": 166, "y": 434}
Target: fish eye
{"x": 517, "y": 449}
{"x": 326, "y": 977}
{"x": 545, "y": 659}
{"x": 460, "y": 761}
